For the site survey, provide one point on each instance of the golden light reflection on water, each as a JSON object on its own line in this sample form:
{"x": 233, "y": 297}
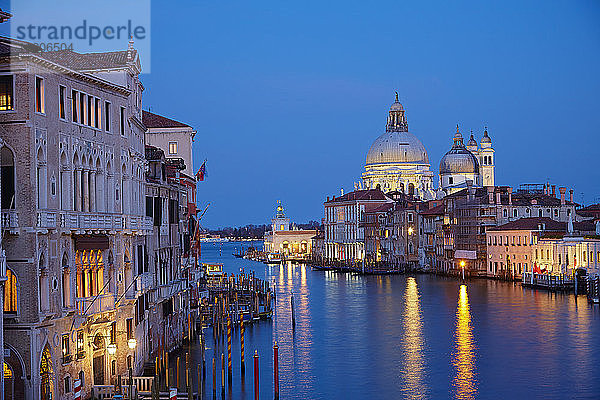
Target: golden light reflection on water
{"x": 413, "y": 366}
{"x": 463, "y": 360}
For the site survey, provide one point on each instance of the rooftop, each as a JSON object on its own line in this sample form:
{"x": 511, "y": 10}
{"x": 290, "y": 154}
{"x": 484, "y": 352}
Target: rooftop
{"x": 369, "y": 194}
{"x": 152, "y": 120}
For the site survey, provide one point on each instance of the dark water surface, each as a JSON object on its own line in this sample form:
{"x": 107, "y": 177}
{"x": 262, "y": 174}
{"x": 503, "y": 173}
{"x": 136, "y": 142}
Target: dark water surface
{"x": 392, "y": 337}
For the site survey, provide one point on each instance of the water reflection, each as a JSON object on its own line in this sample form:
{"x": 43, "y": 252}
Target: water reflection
{"x": 413, "y": 366}
{"x": 463, "y": 360}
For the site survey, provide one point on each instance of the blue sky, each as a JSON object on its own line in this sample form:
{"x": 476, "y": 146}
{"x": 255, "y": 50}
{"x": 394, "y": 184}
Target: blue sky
{"x": 288, "y": 97}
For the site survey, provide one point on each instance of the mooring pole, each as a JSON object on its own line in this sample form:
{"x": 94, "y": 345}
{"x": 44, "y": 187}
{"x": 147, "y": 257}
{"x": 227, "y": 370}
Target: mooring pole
{"x": 229, "y": 349}
{"x": 293, "y": 314}
{"x": 276, "y": 370}
{"x": 256, "y": 397}
{"x": 243, "y": 366}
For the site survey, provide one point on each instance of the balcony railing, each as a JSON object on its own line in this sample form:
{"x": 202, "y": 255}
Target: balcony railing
{"x": 94, "y": 305}
{"x": 46, "y": 219}
{"x": 10, "y": 219}
{"x": 92, "y": 221}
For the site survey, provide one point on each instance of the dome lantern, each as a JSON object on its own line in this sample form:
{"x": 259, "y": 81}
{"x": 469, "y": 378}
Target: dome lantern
{"x": 396, "y": 121}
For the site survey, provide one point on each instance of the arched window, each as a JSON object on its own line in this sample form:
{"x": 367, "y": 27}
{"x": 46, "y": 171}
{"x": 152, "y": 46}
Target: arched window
{"x": 7, "y": 168}
{"x": 10, "y": 293}
{"x": 46, "y": 375}
{"x": 411, "y": 189}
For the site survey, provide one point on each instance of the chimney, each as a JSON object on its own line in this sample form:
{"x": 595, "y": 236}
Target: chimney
{"x": 327, "y": 198}
{"x": 498, "y": 198}
{"x": 509, "y": 196}
{"x": 571, "y": 195}
{"x": 563, "y": 191}
{"x": 553, "y": 190}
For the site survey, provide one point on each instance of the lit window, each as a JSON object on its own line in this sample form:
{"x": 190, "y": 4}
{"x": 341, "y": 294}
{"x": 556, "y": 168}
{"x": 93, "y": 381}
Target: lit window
{"x": 66, "y": 348}
{"x": 6, "y": 93}
{"x": 7, "y": 371}
{"x": 40, "y": 101}
{"x": 10, "y": 292}
{"x": 172, "y": 147}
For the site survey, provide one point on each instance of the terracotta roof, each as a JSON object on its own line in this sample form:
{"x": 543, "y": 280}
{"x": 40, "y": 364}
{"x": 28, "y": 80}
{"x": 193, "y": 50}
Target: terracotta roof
{"x": 518, "y": 199}
{"x": 151, "y": 120}
{"x": 89, "y": 61}
{"x": 438, "y": 210}
{"x": 369, "y": 194}
{"x": 550, "y": 225}
{"x": 383, "y": 208}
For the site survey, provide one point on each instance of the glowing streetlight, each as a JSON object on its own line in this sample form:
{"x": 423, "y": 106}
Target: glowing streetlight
{"x": 410, "y": 230}
{"x": 462, "y": 267}
{"x": 132, "y": 343}
{"x": 112, "y": 349}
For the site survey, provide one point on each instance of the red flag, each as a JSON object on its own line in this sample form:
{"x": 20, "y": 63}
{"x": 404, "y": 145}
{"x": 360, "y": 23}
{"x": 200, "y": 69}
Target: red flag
{"x": 200, "y": 174}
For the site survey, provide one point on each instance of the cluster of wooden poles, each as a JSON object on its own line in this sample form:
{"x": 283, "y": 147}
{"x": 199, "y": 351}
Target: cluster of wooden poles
{"x": 163, "y": 378}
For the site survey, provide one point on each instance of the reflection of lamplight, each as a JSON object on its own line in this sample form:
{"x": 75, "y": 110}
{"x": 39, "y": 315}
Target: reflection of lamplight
{"x": 112, "y": 349}
{"x": 132, "y": 343}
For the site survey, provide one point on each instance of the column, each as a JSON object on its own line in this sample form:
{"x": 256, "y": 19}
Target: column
{"x": 77, "y": 189}
{"x": 92, "y": 190}
{"x": 86, "y": 190}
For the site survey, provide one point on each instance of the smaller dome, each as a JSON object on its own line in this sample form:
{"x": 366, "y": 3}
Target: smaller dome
{"x": 458, "y": 161}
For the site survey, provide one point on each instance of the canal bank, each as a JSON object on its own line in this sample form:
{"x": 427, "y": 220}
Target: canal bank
{"x": 405, "y": 336}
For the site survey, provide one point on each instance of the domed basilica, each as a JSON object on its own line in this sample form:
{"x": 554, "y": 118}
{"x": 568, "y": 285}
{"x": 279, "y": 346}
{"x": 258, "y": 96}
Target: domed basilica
{"x": 398, "y": 161}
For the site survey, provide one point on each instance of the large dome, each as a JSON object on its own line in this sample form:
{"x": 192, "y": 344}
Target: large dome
{"x": 459, "y": 160}
{"x": 397, "y": 147}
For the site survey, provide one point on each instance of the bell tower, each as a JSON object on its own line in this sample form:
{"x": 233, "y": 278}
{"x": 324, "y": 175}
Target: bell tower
{"x": 486, "y": 160}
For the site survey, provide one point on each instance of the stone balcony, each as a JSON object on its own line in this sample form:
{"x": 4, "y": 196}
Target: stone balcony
{"x": 95, "y": 304}
{"x": 96, "y": 221}
{"x": 10, "y": 219}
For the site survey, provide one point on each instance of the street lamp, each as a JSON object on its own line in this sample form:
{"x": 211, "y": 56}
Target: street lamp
{"x": 112, "y": 349}
{"x": 462, "y": 267}
{"x": 132, "y": 343}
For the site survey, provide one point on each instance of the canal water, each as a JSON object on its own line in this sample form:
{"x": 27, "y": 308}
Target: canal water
{"x": 410, "y": 336}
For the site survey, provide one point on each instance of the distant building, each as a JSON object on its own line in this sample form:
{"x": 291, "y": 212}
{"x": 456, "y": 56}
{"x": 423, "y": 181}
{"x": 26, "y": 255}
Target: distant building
{"x": 286, "y": 241}
{"x": 467, "y": 163}
{"x": 344, "y": 223}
